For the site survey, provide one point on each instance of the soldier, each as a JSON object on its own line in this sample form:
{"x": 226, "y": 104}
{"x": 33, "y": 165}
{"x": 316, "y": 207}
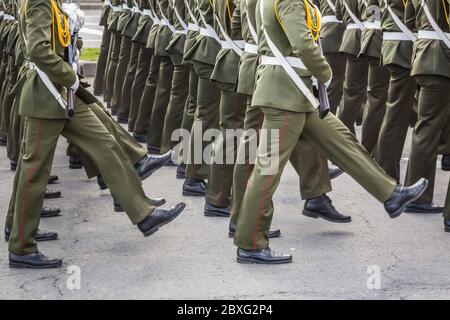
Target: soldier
{"x": 396, "y": 56}
{"x": 287, "y": 30}
{"x": 165, "y": 74}
{"x": 431, "y": 69}
{"x": 203, "y": 56}
{"x": 308, "y": 163}
{"x": 99, "y": 84}
{"x": 356, "y": 71}
{"x": 179, "y": 89}
{"x": 447, "y": 210}
{"x": 331, "y": 34}
{"x": 44, "y": 34}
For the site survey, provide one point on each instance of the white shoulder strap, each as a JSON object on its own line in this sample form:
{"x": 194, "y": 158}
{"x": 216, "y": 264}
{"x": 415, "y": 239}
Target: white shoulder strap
{"x": 411, "y": 36}
{"x": 250, "y": 25}
{"x": 352, "y": 15}
{"x": 228, "y": 39}
{"x": 210, "y": 29}
{"x": 179, "y": 18}
{"x": 332, "y": 6}
{"x": 434, "y": 24}
{"x": 163, "y": 16}
{"x": 285, "y": 64}
{"x": 191, "y": 14}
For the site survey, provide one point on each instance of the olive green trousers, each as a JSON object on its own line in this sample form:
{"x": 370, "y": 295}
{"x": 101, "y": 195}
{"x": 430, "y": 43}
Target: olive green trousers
{"x": 112, "y": 62}
{"x": 447, "y": 203}
{"x": 99, "y": 83}
{"x": 119, "y": 77}
{"x": 130, "y": 74}
{"x": 337, "y": 62}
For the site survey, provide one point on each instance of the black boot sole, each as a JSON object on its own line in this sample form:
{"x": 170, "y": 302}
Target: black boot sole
{"x": 51, "y": 215}
{"x": 447, "y": 229}
{"x": 181, "y": 176}
{"x": 156, "y": 228}
{"x": 315, "y": 215}
{"x": 215, "y": 214}
{"x": 75, "y": 166}
{"x": 403, "y": 208}
{"x": 52, "y": 197}
{"x": 256, "y": 261}
{"x": 21, "y": 265}
{"x": 411, "y": 210}
{"x": 192, "y": 194}
{"x": 445, "y": 168}
{"x": 148, "y": 174}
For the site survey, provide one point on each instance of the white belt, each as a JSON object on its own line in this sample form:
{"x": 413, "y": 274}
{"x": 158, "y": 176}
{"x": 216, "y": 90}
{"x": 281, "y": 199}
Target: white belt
{"x": 395, "y": 36}
{"x": 2, "y": 13}
{"x": 205, "y": 32}
{"x": 251, "y": 48}
{"x": 180, "y": 31}
{"x": 117, "y": 8}
{"x": 193, "y": 27}
{"x": 125, "y": 7}
{"x": 329, "y": 19}
{"x": 353, "y": 26}
{"x": 432, "y": 35}
{"x": 48, "y": 84}
{"x": 239, "y": 43}
{"x": 147, "y": 12}
{"x": 9, "y": 17}
{"x": 372, "y": 25}
{"x": 272, "y": 61}
{"x": 136, "y": 9}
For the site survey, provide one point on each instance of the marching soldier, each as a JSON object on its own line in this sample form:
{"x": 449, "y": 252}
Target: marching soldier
{"x": 431, "y": 69}
{"x": 356, "y": 71}
{"x": 287, "y": 32}
{"x": 447, "y": 210}
{"x": 99, "y": 83}
{"x": 332, "y": 31}
{"x": 44, "y": 45}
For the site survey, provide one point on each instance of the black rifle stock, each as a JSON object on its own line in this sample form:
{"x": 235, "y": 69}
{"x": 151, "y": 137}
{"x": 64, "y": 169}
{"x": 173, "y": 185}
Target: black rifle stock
{"x": 324, "y": 102}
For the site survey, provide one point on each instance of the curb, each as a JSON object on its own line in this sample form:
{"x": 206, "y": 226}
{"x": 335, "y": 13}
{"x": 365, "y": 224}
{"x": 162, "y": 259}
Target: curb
{"x": 88, "y": 68}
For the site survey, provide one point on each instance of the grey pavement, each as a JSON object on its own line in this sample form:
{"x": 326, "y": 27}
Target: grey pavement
{"x": 192, "y": 258}
{"x": 92, "y": 32}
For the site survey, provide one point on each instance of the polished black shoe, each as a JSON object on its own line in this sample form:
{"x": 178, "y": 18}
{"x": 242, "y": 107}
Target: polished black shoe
{"x": 159, "y": 217}
{"x": 140, "y": 137}
{"x": 403, "y": 196}
{"x": 13, "y": 165}
{"x": 52, "y": 194}
{"x": 335, "y": 172}
{"x": 33, "y": 261}
{"x": 98, "y": 93}
{"x": 150, "y": 163}
{"x": 181, "y": 171}
{"x": 194, "y": 188}
{"x": 322, "y": 207}
{"x": 130, "y": 127}
{"x": 271, "y": 234}
{"x": 170, "y": 163}
{"x": 2, "y": 142}
{"x": 53, "y": 179}
{"x": 122, "y": 118}
{"x": 445, "y": 162}
{"x": 447, "y": 225}
{"x": 75, "y": 163}
{"x": 41, "y": 235}
{"x": 423, "y": 207}
{"x": 157, "y": 202}
{"x": 113, "y": 112}
{"x": 262, "y": 256}
{"x": 108, "y": 105}
{"x": 50, "y": 212}
{"x": 101, "y": 183}
{"x": 214, "y": 211}
{"x": 153, "y": 149}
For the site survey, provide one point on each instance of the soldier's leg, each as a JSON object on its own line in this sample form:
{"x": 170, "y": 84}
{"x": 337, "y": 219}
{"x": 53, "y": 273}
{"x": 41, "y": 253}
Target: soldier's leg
{"x": 220, "y": 179}
{"x": 101, "y": 62}
{"x": 124, "y": 58}
{"x": 177, "y": 103}
{"x": 129, "y": 78}
{"x": 256, "y": 212}
{"x": 148, "y": 98}
{"x": 246, "y": 157}
{"x": 376, "y": 104}
{"x": 444, "y": 144}
{"x": 14, "y": 133}
{"x": 434, "y": 102}
{"x": 447, "y": 203}
{"x": 402, "y": 88}
{"x": 39, "y": 143}
{"x": 337, "y": 62}
{"x": 143, "y": 68}
{"x": 206, "y": 117}
{"x": 12, "y": 200}
{"x": 162, "y": 98}
{"x": 90, "y": 135}
{"x": 112, "y": 66}
{"x": 355, "y": 86}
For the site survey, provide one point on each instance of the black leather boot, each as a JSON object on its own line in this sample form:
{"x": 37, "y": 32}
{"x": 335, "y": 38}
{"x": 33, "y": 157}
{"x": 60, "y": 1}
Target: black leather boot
{"x": 101, "y": 183}
{"x": 194, "y": 188}
{"x": 150, "y": 163}
{"x": 153, "y": 149}
{"x": 181, "y": 171}
{"x": 52, "y": 194}
{"x": 322, "y": 207}
{"x": 262, "y": 256}
{"x": 75, "y": 163}
{"x": 33, "y": 261}
{"x": 402, "y": 196}
{"x": 53, "y": 179}
{"x": 122, "y": 119}
{"x": 50, "y": 212}
{"x": 335, "y": 172}
{"x": 445, "y": 162}
{"x": 159, "y": 217}
{"x": 214, "y": 211}
{"x": 13, "y": 165}
{"x": 447, "y": 225}
{"x": 140, "y": 137}
{"x": 423, "y": 207}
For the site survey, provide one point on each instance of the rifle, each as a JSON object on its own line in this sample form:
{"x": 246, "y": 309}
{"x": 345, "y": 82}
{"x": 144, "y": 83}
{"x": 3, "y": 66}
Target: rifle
{"x": 324, "y": 106}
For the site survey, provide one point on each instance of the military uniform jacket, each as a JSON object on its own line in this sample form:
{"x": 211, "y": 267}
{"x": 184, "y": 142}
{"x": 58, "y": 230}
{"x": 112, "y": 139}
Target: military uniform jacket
{"x": 205, "y": 49}
{"x": 249, "y": 62}
{"x": 124, "y": 16}
{"x": 144, "y": 24}
{"x": 176, "y": 44}
{"x": 36, "y": 37}
{"x": 155, "y": 27}
{"x": 164, "y": 33}
{"x": 431, "y": 57}
{"x": 394, "y": 51}
{"x": 191, "y": 36}
{"x": 351, "y": 40}
{"x": 226, "y": 69}
{"x": 372, "y": 38}
{"x": 106, "y": 9}
{"x": 113, "y": 17}
{"x": 131, "y": 26}
{"x": 291, "y": 35}
{"x": 331, "y": 33}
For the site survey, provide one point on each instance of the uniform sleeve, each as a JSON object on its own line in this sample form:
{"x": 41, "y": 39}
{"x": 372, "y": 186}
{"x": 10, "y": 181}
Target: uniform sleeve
{"x": 236, "y": 18}
{"x": 410, "y": 16}
{"x": 38, "y": 35}
{"x": 293, "y": 18}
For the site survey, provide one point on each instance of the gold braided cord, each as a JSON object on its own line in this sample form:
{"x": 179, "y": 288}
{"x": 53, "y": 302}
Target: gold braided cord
{"x": 228, "y": 9}
{"x": 313, "y": 27}
{"x": 405, "y": 3}
{"x": 446, "y": 12}
{"x": 62, "y": 25}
